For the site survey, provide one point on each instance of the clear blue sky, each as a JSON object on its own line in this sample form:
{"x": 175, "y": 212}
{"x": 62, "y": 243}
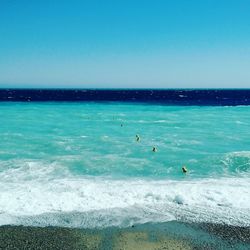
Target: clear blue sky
{"x": 124, "y": 44}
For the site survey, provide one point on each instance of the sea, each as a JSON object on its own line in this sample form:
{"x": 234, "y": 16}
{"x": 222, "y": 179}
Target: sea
{"x": 71, "y": 158}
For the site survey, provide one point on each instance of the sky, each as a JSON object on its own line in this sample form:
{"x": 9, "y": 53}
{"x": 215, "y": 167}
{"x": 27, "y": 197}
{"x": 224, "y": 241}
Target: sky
{"x": 125, "y": 44}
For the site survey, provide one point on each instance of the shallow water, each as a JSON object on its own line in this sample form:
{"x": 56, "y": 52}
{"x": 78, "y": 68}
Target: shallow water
{"x": 79, "y": 164}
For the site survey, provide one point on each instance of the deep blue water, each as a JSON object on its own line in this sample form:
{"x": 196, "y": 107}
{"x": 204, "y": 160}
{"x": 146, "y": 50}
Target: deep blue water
{"x": 229, "y": 97}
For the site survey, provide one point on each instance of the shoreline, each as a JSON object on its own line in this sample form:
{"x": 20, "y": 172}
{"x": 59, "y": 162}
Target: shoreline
{"x": 169, "y": 235}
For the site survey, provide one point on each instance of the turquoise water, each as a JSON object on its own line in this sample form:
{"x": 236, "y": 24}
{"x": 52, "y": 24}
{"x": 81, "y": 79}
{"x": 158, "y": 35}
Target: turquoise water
{"x": 62, "y": 161}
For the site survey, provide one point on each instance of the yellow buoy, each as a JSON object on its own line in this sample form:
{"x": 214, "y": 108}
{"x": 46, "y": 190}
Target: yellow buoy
{"x": 184, "y": 169}
{"x": 137, "y": 138}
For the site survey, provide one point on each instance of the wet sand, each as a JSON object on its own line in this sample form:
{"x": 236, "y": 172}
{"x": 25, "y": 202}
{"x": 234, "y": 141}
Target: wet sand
{"x": 170, "y": 235}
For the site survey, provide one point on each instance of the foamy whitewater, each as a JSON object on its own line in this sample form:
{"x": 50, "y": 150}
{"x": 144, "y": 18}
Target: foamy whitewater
{"x": 79, "y": 164}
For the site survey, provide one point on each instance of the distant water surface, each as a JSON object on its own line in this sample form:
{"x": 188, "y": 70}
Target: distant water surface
{"x": 202, "y": 97}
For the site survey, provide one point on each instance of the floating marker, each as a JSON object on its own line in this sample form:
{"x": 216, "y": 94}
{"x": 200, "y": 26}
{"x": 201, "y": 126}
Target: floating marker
{"x": 137, "y": 138}
{"x": 154, "y": 149}
{"x": 184, "y": 169}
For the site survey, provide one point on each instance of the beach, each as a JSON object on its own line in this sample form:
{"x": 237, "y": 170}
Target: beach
{"x": 171, "y": 235}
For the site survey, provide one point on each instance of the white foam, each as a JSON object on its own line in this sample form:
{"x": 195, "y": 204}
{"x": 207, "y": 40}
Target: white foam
{"x": 237, "y": 162}
{"x": 74, "y": 201}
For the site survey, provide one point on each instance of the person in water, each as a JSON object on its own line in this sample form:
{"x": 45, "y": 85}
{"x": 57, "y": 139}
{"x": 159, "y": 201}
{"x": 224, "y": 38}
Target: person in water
{"x": 137, "y": 138}
{"x": 154, "y": 149}
{"x": 184, "y": 169}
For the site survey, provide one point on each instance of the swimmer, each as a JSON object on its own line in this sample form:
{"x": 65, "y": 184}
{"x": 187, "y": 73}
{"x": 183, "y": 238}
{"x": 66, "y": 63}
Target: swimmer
{"x": 137, "y": 138}
{"x": 184, "y": 169}
{"x": 154, "y": 149}
{"x": 121, "y": 125}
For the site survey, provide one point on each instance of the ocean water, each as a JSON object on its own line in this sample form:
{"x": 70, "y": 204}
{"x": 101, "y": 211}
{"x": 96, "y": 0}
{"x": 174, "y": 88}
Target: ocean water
{"x": 79, "y": 164}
